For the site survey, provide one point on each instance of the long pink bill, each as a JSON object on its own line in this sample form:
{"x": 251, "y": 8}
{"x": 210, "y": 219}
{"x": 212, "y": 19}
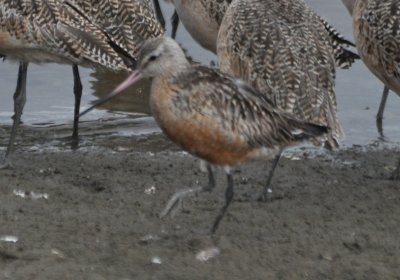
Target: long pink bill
{"x": 134, "y": 77}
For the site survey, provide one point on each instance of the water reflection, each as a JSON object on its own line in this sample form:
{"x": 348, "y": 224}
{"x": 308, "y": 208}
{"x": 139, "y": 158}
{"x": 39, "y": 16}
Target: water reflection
{"x": 135, "y": 99}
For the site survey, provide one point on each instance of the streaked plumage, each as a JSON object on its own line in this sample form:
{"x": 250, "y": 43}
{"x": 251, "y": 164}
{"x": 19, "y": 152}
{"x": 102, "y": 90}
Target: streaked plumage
{"x": 202, "y": 19}
{"x": 376, "y": 25}
{"x": 287, "y": 52}
{"x": 43, "y": 32}
{"x": 212, "y": 115}
{"x": 127, "y": 22}
{"x": 218, "y": 118}
{"x": 102, "y": 34}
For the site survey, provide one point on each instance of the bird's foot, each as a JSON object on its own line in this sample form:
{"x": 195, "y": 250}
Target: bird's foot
{"x": 74, "y": 143}
{"x": 177, "y": 199}
{"x": 6, "y": 164}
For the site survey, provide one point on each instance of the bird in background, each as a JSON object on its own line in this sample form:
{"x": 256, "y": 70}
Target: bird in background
{"x": 213, "y": 116}
{"x": 96, "y": 35}
{"x": 379, "y": 116}
{"x": 376, "y": 27}
{"x": 201, "y": 18}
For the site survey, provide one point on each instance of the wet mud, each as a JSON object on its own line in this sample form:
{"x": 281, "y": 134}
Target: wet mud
{"x": 93, "y": 213}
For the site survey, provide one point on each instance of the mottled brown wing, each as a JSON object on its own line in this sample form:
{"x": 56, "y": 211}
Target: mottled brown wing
{"x": 343, "y": 56}
{"x": 238, "y": 110}
{"x": 380, "y": 42}
{"x": 49, "y": 31}
{"x": 127, "y": 22}
{"x": 282, "y": 50}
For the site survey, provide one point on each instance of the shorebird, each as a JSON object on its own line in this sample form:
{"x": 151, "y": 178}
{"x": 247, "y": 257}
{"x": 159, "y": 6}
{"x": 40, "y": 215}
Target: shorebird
{"x": 201, "y": 19}
{"x": 376, "y": 26}
{"x": 212, "y": 115}
{"x": 288, "y": 53}
{"x": 379, "y": 116}
{"x": 97, "y": 35}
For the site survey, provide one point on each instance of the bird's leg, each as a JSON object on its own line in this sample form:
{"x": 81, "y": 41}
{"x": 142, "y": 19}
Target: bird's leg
{"x": 228, "y": 199}
{"x": 175, "y": 24}
{"x": 19, "y": 103}
{"x": 379, "y": 116}
{"x": 177, "y": 198}
{"x": 78, "y": 95}
{"x": 159, "y": 13}
{"x": 265, "y": 195}
{"x": 396, "y": 173}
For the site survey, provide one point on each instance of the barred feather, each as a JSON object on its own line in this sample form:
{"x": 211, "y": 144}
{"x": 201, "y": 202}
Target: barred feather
{"x": 76, "y": 32}
{"x": 377, "y": 31}
{"x": 237, "y": 109}
{"x": 283, "y": 49}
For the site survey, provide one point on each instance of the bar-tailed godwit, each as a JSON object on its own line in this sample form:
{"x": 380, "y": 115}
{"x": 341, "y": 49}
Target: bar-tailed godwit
{"x": 212, "y": 115}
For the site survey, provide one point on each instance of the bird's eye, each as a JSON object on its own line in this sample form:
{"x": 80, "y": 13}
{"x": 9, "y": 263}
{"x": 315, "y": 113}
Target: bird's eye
{"x": 152, "y": 58}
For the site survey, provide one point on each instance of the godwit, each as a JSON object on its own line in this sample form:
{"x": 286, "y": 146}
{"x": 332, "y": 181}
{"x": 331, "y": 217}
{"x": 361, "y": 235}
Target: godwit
{"x": 201, "y": 19}
{"x": 212, "y": 115}
{"x": 71, "y": 33}
{"x": 287, "y": 52}
{"x": 376, "y": 26}
{"x": 379, "y": 116}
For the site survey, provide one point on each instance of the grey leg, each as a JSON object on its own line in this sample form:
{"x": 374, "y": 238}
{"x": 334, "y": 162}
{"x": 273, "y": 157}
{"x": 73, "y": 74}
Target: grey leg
{"x": 267, "y": 188}
{"x": 379, "y": 116}
{"x": 159, "y": 13}
{"x": 179, "y": 196}
{"x": 228, "y": 199}
{"x": 19, "y": 103}
{"x": 175, "y": 24}
{"x": 78, "y": 95}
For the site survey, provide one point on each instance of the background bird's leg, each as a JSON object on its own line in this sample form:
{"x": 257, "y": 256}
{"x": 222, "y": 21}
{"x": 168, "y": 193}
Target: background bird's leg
{"x": 19, "y": 103}
{"x": 379, "y": 116}
{"x": 177, "y": 198}
{"x": 228, "y": 199}
{"x": 78, "y": 95}
{"x": 175, "y": 24}
{"x": 266, "y": 193}
{"x": 159, "y": 13}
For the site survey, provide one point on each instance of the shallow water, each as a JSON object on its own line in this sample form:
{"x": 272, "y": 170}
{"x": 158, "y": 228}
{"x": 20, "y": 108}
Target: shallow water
{"x": 50, "y": 98}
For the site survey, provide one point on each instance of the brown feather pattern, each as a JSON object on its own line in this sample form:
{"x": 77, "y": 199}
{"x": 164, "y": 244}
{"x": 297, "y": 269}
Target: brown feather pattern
{"x": 283, "y": 49}
{"x": 77, "y": 32}
{"x": 236, "y": 109}
{"x": 377, "y": 31}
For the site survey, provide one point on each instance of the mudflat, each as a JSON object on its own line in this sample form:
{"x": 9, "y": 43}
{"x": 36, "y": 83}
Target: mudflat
{"x": 93, "y": 214}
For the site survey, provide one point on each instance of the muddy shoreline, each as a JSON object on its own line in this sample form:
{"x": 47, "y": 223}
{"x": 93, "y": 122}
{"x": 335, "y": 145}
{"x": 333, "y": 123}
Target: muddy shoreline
{"x": 337, "y": 216}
